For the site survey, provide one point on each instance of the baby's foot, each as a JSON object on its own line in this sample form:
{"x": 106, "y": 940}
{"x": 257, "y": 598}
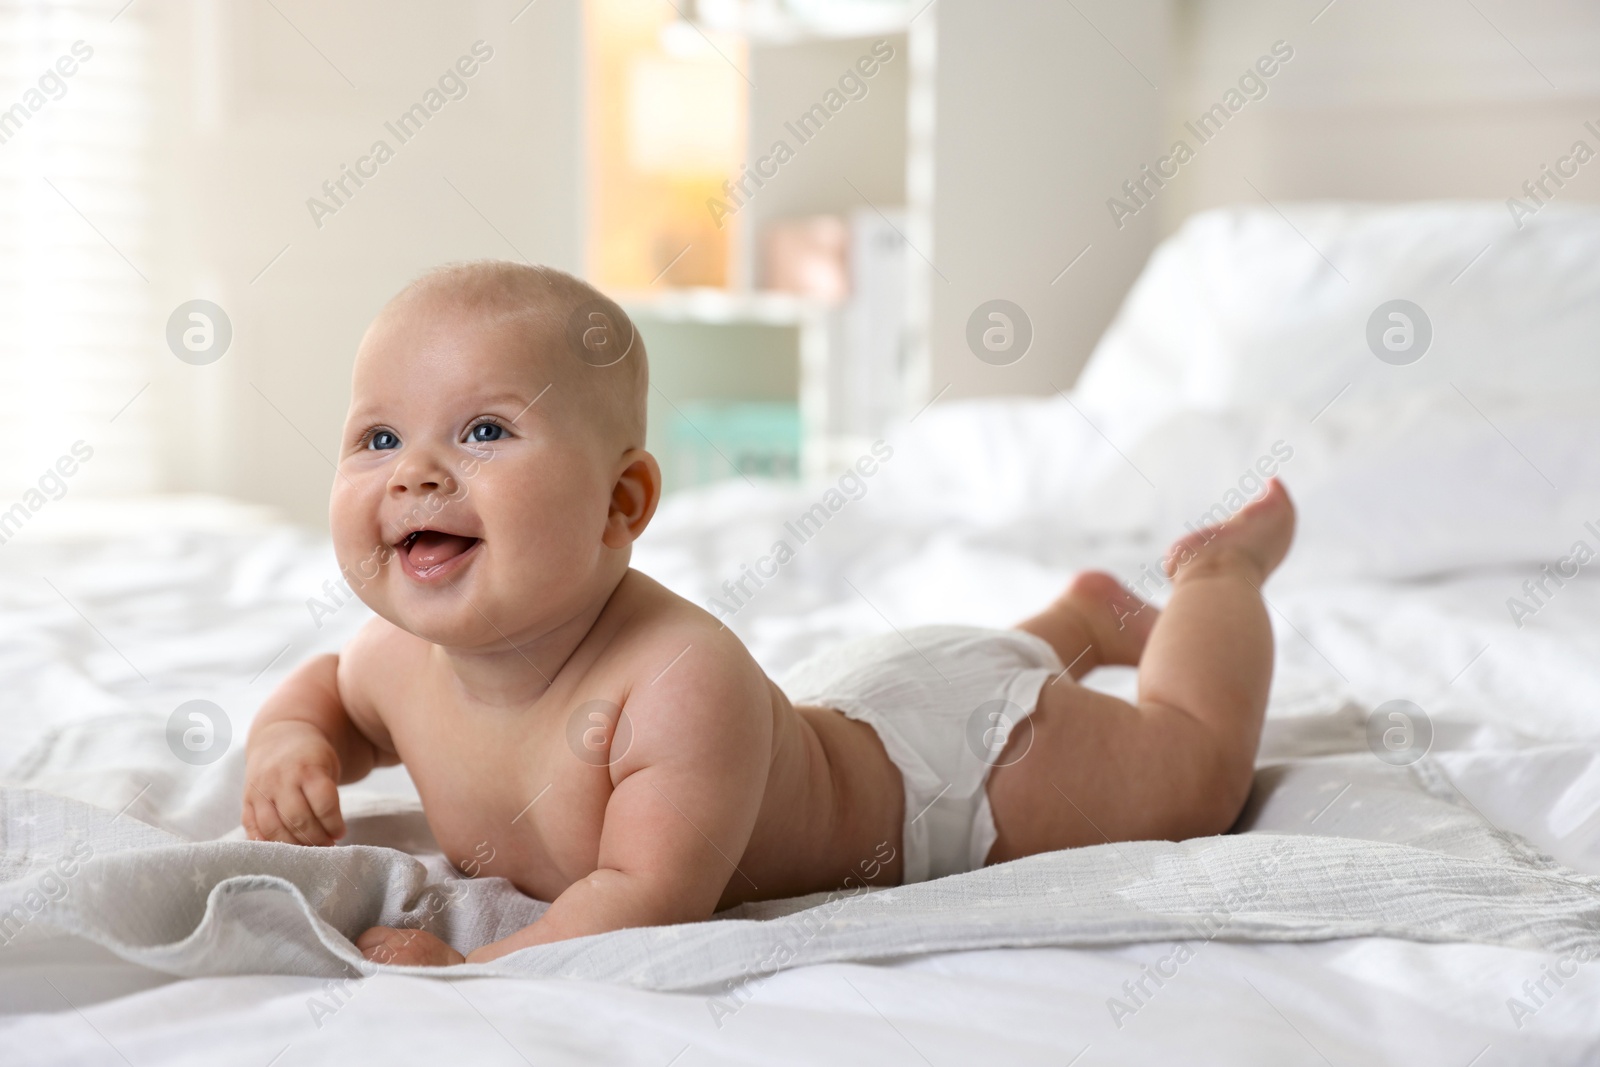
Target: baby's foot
{"x": 1117, "y": 622}
{"x": 1256, "y": 538}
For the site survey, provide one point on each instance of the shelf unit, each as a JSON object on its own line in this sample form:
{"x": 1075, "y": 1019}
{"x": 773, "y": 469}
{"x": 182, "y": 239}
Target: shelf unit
{"x": 811, "y": 320}
{"x": 828, "y": 442}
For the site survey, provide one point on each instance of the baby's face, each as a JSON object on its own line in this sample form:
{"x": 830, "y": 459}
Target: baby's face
{"x": 468, "y": 508}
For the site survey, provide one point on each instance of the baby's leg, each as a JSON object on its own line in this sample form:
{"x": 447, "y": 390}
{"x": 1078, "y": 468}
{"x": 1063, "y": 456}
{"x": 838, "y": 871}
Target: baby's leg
{"x": 1179, "y": 762}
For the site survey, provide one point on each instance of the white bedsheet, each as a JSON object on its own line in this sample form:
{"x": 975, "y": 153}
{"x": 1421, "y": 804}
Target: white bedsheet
{"x": 207, "y": 613}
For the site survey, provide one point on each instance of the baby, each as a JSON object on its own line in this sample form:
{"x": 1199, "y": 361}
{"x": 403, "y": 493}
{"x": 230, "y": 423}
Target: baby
{"x": 616, "y": 751}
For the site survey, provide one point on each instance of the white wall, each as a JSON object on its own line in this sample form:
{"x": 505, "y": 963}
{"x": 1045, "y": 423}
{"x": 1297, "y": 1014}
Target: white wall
{"x": 1039, "y": 119}
{"x": 1429, "y": 99}
{"x": 253, "y": 120}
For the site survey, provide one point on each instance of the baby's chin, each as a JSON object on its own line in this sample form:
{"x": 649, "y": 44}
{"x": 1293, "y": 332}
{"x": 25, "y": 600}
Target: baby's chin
{"x": 455, "y": 626}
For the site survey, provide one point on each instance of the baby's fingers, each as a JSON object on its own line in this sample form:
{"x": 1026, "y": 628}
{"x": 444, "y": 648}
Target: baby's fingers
{"x": 247, "y": 819}
{"x": 264, "y": 816}
{"x": 294, "y": 810}
{"x": 323, "y": 796}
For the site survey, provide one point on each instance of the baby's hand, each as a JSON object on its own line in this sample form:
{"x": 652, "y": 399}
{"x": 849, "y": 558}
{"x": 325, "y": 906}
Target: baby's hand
{"x": 408, "y": 948}
{"x": 291, "y": 790}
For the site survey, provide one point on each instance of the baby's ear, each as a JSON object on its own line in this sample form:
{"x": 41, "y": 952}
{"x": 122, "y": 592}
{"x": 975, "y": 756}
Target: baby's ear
{"x": 633, "y": 498}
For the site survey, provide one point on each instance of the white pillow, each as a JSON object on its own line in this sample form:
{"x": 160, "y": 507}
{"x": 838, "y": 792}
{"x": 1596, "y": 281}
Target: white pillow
{"x": 1412, "y": 485}
{"x": 1245, "y": 308}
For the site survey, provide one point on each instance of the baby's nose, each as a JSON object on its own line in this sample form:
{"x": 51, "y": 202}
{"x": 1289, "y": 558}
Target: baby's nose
{"x": 402, "y": 486}
{"x": 421, "y": 478}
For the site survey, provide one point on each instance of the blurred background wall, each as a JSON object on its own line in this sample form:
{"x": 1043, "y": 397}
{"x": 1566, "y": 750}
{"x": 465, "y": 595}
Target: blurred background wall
{"x": 178, "y": 161}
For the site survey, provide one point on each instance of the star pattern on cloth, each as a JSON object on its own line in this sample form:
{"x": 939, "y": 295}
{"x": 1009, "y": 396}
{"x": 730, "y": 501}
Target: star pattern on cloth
{"x": 330, "y": 894}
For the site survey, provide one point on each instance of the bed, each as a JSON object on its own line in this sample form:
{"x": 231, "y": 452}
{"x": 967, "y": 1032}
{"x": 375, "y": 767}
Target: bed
{"x": 1415, "y": 890}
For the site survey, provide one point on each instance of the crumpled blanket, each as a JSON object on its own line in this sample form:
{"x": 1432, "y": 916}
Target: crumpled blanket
{"x": 1331, "y": 846}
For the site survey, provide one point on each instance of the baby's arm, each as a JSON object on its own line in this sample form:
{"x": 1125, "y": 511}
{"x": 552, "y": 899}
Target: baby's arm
{"x": 682, "y": 808}
{"x": 684, "y": 802}
{"x": 303, "y": 745}
{"x": 677, "y": 823}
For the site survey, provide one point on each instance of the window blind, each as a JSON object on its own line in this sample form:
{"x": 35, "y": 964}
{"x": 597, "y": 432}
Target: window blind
{"x": 78, "y": 329}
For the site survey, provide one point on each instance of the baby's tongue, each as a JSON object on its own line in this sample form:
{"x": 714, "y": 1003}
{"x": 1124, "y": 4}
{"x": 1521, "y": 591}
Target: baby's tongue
{"x": 431, "y": 548}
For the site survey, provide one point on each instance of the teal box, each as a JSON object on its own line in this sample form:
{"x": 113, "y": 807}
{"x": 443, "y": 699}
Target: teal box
{"x": 709, "y": 440}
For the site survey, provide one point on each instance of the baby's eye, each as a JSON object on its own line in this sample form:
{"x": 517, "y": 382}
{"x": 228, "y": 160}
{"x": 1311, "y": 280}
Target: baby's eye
{"x": 382, "y": 440}
{"x": 486, "y": 431}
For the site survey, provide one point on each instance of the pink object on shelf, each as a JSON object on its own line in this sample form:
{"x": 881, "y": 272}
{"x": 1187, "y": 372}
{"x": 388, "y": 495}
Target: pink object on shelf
{"x": 807, "y": 256}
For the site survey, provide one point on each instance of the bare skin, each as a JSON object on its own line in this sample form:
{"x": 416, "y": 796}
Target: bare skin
{"x": 575, "y": 727}
{"x": 1178, "y": 762}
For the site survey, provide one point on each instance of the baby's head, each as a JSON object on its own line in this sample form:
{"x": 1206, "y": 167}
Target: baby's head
{"x": 492, "y": 475}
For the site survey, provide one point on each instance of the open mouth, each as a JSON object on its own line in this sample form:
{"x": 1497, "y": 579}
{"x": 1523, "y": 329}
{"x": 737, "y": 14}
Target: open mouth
{"x": 428, "y": 554}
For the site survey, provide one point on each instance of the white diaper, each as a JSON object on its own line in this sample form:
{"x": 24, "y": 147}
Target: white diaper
{"x": 944, "y": 700}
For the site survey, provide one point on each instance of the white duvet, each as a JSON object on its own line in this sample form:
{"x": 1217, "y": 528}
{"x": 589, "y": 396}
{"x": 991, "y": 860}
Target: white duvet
{"x": 1422, "y": 522}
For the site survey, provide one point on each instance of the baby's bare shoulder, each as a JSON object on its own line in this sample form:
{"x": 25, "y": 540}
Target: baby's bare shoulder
{"x": 378, "y": 662}
{"x": 691, "y": 683}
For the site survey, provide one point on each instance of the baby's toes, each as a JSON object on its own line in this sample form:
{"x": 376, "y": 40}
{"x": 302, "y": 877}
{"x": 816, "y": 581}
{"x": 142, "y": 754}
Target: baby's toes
{"x": 1263, "y": 528}
{"x": 1257, "y": 536}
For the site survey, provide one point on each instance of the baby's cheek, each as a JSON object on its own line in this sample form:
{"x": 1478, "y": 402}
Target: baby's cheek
{"x": 344, "y": 521}
{"x": 362, "y": 560}
{"x": 557, "y": 557}
{"x": 351, "y": 549}
{"x": 556, "y": 515}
